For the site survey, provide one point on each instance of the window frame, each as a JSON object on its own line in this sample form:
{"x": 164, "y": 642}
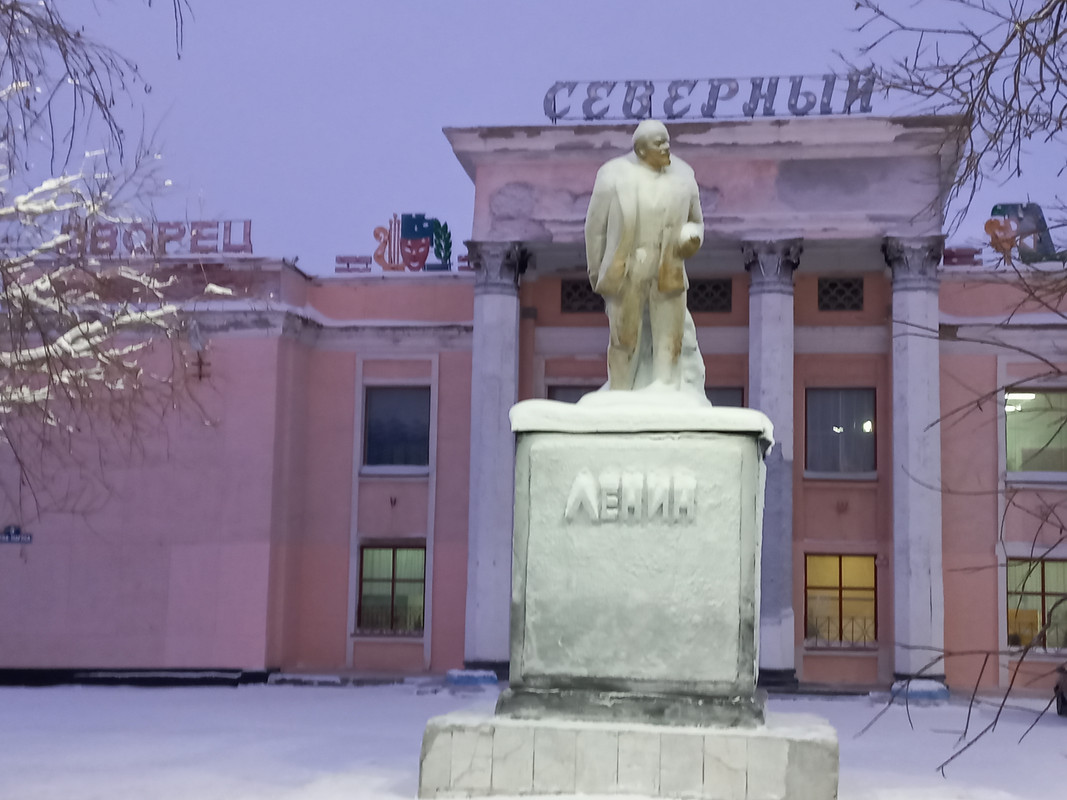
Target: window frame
{"x": 391, "y": 632}
{"x": 1043, "y": 594}
{"x": 859, "y": 475}
{"x": 840, "y": 643}
{"x": 1029, "y": 476}
{"x": 365, "y": 420}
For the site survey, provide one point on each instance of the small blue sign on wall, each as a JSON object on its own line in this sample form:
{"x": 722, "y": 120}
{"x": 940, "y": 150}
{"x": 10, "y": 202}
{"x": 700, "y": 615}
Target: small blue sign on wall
{"x": 12, "y": 534}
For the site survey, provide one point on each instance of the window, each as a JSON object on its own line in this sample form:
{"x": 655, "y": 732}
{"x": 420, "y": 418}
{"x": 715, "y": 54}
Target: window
{"x": 392, "y": 582}
{"x": 578, "y": 297}
{"x": 840, "y": 294}
{"x": 1037, "y": 598}
{"x": 710, "y": 294}
{"x": 840, "y": 430}
{"x": 569, "y": 394}
{"x": 1036, "y": 430}
{"x": 839, "y": 601}
{"x": 397, "y": 426}
{"x": 725, "y": 395}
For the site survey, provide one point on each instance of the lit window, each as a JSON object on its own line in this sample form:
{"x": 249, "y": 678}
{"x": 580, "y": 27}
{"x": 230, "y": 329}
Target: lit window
{"x": 840, "y": 430}
{"x": 1037, "y": 599}
{"x": 569, "y": 394}
{"x": 397, "y": 427}
{"x": 725, "y": 395}
{"x": 1036, "y": 430}
{"x": 392, "y": 582}
{"x": 839, "y": 602}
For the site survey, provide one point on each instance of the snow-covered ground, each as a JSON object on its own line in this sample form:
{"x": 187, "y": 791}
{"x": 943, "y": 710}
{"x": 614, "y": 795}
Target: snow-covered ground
{"x": 358, "y": 743}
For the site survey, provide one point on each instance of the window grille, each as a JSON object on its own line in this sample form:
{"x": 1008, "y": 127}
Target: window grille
{"x": 713, "y": 294}
{"x": 578, "y": 297}
{"x": 840, "y": 294}
{"x": 1037, "y": 603}
{"x": 392, "y": 584}
{"x": 840, "y": 606}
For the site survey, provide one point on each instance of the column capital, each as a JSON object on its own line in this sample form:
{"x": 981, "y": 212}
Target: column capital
{"x": 913, "y": 260}
{"x": 497, "y": 266}
{"x": 771, "y": 264}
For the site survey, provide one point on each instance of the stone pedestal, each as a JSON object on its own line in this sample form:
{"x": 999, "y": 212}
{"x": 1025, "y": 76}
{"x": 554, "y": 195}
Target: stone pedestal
{"x": 636, "y": 559}
{"x": 789, "y": 757}
{"x": 634, "y": 615}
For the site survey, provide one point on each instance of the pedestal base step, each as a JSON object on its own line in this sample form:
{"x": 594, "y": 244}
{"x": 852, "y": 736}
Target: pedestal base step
{"x": 789, "y": 757}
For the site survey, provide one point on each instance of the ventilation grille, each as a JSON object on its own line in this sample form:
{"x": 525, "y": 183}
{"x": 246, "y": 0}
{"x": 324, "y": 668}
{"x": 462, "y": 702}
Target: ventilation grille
{"x": 715, "y": 295}
{"x": 578, "y": 297}
{"x": 840, "y": 294}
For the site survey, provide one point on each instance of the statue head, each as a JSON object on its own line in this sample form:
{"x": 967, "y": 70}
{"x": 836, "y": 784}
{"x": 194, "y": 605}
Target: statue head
{"x": 652, "y": 143}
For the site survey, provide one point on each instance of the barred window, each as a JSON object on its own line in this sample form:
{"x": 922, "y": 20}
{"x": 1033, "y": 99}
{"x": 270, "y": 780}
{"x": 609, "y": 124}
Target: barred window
{"x": 715, "y": 295}
{"x": 578, "y": 297}
{"x": 840, "y": 294}
{"x": 392, "y": 583}
{"x": 1037, "y": 603}
{"x": 839, "y": 600}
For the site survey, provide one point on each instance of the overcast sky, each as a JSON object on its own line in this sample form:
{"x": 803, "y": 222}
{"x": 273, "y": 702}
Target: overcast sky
{"x": 319, "y": 119}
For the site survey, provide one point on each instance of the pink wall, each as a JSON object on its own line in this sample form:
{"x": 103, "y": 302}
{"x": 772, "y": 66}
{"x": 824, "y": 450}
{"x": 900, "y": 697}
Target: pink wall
{"x": 317, "y": 591}
{"x": 170, "y": 566}
{"x": 969, "y": 516}
{"x": 446, "y": 299}
{"x": 450, "y": 510}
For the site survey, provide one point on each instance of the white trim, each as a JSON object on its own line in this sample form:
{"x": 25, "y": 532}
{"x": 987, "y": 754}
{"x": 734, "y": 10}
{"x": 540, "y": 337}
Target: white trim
{"x": 722, "y": 340}
{"x": 431, "y": 505}
{"x": 1022, "y": 319}
{"x": 539, "y": 376}
{"x": 377, "y": 637}
{"x": 870, "y": 477}
{"x": 841, "y": 339}
{"x": 1056, "y": 381}
{"x": 353, "y": 526}
{"x": 395, "y": 470}
{"x": 1035, "y": 552}
{"x": 559, "y": 340}
{"x": 571, "y": 341}
{"x": 1001, "y": 547}
{"x": 1036, "y": 480}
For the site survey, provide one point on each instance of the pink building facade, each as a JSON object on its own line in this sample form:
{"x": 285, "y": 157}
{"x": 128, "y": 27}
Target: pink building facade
{"x": 347, "y": 506}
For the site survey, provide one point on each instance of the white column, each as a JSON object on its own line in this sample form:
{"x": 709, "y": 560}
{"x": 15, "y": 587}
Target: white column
{"x": 770, "y": 383}
{"x": 494, "y": 390}
{"x": 918, "y": 592}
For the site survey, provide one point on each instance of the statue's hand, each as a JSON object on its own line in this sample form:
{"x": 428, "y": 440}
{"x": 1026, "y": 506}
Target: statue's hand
{"x": 688, "y": 246}
{"x": 689, "y": 239}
